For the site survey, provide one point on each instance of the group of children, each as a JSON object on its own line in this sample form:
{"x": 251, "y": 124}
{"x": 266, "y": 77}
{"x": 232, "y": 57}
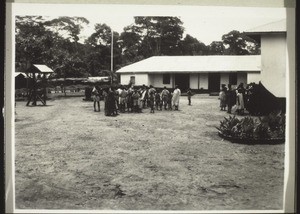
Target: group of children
{"x": 233, "y": 98}
{"x": 132, "y": 99}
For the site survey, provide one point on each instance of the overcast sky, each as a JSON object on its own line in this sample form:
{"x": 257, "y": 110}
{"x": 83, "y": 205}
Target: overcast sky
{"x": 207, "y": 24}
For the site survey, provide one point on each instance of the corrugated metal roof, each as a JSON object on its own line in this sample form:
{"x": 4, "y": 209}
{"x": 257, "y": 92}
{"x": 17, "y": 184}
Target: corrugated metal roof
{"x": 195, "y": 64}
{"x": 273, "y": 27}
{"x": 43, "y": 68}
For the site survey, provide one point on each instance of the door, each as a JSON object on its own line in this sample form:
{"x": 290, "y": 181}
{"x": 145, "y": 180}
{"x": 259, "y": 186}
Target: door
{"x": 183, "y": 81}
{"x": 214, "y": 82}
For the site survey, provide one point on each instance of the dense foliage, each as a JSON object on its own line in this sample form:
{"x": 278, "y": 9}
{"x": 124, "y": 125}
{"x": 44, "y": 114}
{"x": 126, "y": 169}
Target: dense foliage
{"x": 268, "y": 127}
{"x": 56, "y": 43}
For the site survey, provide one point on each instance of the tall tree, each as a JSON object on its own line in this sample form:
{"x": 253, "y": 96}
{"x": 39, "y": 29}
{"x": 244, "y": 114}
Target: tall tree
{"x": 130, "y": 43}
{"x": 99, "y": 45}
{"x": 67, "y": 27}
{"x": 237, "y": 43}
{"x": 191, "y": 46}
{"x": 160, "y": 35}
{"x": 216, "y": 48}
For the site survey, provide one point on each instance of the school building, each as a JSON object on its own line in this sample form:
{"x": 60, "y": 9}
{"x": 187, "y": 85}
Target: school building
{"x": 209, "y": 72}
{"x": 195, "y": 72}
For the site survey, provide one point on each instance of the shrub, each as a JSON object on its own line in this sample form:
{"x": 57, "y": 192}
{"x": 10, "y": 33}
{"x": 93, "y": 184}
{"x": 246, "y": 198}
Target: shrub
{"x": 268, "y": 127}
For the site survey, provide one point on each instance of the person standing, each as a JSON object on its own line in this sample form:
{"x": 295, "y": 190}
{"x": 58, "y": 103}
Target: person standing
{"x": 96, "y": 97}
{"x": 122, "y": 100}
{"x": 230, "y": 98}
{"x": 164, "y": 97}
{"x": 222, "y": 98}
{"x": 135, "y": 101}
{"x": 158, "y": 102}
{"x": 111, "y": 103}
{"x": 189, "y": 94}
{"x": 176, "y": 97}
{"x": 151, "y": 100}
{"x": 240, "y": 102}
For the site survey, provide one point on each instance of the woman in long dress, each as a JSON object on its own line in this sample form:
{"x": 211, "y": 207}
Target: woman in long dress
{"x": 176, "y": 97}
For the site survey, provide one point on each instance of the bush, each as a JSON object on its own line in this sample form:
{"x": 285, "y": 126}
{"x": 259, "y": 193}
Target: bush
{"x": 268, "y": 127}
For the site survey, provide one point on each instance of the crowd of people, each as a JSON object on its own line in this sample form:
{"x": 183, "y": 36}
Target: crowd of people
{"x": 132, "y": 99}
{"x": 234, "y": 99}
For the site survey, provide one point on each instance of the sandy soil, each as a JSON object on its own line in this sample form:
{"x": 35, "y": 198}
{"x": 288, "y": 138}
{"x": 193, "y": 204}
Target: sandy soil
{"x": 70, "y": 157}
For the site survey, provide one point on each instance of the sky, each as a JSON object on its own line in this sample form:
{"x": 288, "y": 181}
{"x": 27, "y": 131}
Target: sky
{"x": 206, "y": 23}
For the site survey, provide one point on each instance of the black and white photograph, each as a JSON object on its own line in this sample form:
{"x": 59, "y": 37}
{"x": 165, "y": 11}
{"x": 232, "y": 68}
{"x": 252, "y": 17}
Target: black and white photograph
{"x": 122, "y": 107}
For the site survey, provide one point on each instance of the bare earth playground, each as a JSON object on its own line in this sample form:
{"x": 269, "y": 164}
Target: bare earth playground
{"x": 70, "y": 157}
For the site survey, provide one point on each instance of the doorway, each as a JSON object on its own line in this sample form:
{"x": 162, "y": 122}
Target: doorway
{"x": 183, "y": 81}
{"x": 214, "y": 82}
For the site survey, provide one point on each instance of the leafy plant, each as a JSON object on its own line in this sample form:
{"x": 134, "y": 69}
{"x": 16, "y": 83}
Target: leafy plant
{"x": 269, "y": 127}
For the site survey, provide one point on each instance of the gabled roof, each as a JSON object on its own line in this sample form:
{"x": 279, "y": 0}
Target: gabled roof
{"x": 20, "y": 73}
{"x": 273, "y": 27}
{"x": 195, "y": 64}
{"x": 36, "y": 68}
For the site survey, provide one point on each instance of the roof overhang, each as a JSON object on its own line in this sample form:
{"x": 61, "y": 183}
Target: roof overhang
{"x": 37, "y": 68}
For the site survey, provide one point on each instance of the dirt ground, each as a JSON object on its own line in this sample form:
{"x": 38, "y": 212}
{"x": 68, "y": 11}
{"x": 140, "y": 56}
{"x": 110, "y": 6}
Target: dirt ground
{"x": 70, "y": 157}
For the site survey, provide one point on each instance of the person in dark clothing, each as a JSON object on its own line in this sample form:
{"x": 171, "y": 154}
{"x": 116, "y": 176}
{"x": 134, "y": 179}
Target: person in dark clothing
{"x": 158, "y": 102}
{"x": 151, "y": 101}
{"x": 110, "y": 103}
{"x": 189, "y": 94}
{"x": 230, "y": 98}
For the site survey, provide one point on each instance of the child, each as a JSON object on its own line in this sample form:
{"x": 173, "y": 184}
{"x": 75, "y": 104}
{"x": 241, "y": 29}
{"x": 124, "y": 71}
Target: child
{"x": 222, "y": 98}
{"x": 96, "y": 97}
{"x": 189, "y": 94}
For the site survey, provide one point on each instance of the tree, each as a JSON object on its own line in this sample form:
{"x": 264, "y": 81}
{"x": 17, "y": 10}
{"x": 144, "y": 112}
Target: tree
{"x": 67, "y": 27}
{"x": 159, "y": 35}
{"x": 33, "y": 40}
{"x": 216, "y": 48}
{"x": 191, "y": 46}
{"x": 130, "y": 43}
{"x": 40, "y": 42}
{"x": 237, "y": 43}
{"x": 99, "y": 46}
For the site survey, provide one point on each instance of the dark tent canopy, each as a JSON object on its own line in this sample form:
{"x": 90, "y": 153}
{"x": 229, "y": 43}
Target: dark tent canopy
{"x": 262, "y": 102}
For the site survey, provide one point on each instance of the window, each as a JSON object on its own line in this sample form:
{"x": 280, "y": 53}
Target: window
{"x": 233, "y": 78}
{"x": 132, "y": 80}
{"x": 166, "y": 79}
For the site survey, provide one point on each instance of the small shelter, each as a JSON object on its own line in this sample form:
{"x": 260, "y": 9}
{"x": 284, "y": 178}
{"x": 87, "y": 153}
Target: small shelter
{"x": 20, "y": 80}
{"x": 38, "y": 74}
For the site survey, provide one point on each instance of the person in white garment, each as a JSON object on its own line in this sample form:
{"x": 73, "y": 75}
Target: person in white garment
{"x": 176, "y": 97}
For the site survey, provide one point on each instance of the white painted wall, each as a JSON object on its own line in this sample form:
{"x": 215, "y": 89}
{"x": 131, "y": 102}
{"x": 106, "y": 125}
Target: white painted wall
{"x": 157, "y": 80}
{"x": 273, "y": 67}
{"x": 203, "y": 80}
{"x": 253, "y": 77}
{"x": 140, "y": 79}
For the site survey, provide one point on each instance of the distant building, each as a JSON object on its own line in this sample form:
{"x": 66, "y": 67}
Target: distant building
{"x": 195, "y": 72}
{"x": 272, "y": 38}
